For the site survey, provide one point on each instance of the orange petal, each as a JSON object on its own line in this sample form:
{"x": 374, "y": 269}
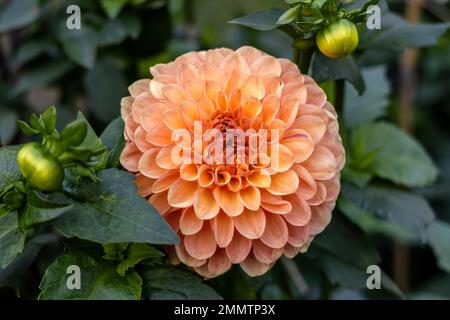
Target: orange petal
{"x": 150, "y": 115}
{"x": 251, "y": 107}
{"x": 160, "y": 136}
{"x": 189, "y": 223}
{"x": 257, "y": 179}
{"x": 205, "y": 205}
{"x": 314, "y": 125}
{"x": 159, "y": 201}
{"x": 165, "y": 181}
{"x": 202, "y": 244}
{"x": 250, "y": 198}
{"x": 239, "y": 248}
{"x": 228, "y": 201}
{"x": 186, "y": 72}
{"x": 189, "y": 172}
{"x": 332, "y": 186}
{"x": 276, "y": 233}
{"x": 144, "y": 185}
{"x": 223, "y": 228}
{"x": 164, "y": 158}
{"x": 284, "y": 183}
{"x": 182, "y": 193}
{"x": 125, "y": 107}
{"x": 253, "y": 86}
{"x": 234, "y": 62}
{"x": 282, "y": 158}
{"x": 320, "y": 196}
{"x": 315, "y": 95}
{"x": 194, "y": 89}
{"x": 264, "y": 253}
{"x": 219, "y": 263}
{"x": 320, "y": 217}
{"x": 210, "y": 72}
{"x": 254, "y": 267}
{"x": 321, "y": 164}
{"x": 205, "y": 176}
{"x": 130, "y": 157}
{"x": 270, "y": 107}
{"x": 300, "y": 214}
{"x": 140, "y": 139}
{"x": 288, "y": 109}
{"x": 147, "y": 164}
{"x": 190, "y": 110}
{"x": 250, "y": 224}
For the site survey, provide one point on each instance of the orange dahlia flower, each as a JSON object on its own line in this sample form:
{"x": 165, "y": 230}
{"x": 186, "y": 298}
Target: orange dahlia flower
{"x": 239, "y": 212}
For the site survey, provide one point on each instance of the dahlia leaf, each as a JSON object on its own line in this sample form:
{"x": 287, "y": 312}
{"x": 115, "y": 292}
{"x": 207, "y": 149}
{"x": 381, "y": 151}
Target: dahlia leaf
{"x": 260, "y": 20}
{"x": 98, "y": 280}
{"x": 406, "y": 209}
{"x": 399, "y": 158}
{"x": 169, "y": 282}
{"x": 79, "y": 45}
{"x": 370, "y": 105}
{"x": 11, "y": 238}
{"x": 439, "y": 240}
{"x": 18, "y": 14}
{"x": 111, "y": 211}
{"x": 325, "y": 69}
{"x": 395, "y": 35}
{"x": 13, "y": 274}
{"x": 136, "y": 253}
{"x": 112, "y": 138}
{"x": 9, "y": 170}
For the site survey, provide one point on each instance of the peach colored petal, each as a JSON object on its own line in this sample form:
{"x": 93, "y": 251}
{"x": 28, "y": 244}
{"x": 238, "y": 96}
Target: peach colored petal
{"x": 186, "y": 258}
{"x": 228, "y": 201}
{"x": 234, "y": 62}
{"x": 194, "y": 89}
{"x": 173, "y": 120}
{"x": 164, "y": 158}
{"x": 181, "y": 193}
{"x": 147, "y": 164}
{"x": 283, "y": 159}
{"x": 266, "y": 66}
{"x": 257, "y": 179}
{"x": 150, "y": 115}
{"x": 270, "y": 106}
{"x": 250, "y": 197}
{"x": 160, "y": 136}
{"x": 291, "y": 251}
{"x": 264, "y": 253}
{"x": 130, "y": 157}
{"x": 250, "y": 224}
{"x": 320, "y": 196}
{"x": 189, "y": 223}
{"x": 139, "y": 86}
{"x": 274, "y": 204}
{"x": 173, "y": 219}
{"x": 284, "y": 183}
{"x": 251, "y": 107}
{"x": 254, "y": 267}
{"x": 250, "y": 54}
{"x": 201, "y": 245}
{"x": 253, "y": 86}
{"x": 144, "y": 185}
{"x": 315, "y": 95}
{"x": 322, "y": 164}
{"x": 299, "y": 143}
{"x": 186, "y": 72}
{"x": 173, "y": 93}
{"x": 239, "y": 248}
{"x": 219, "y": 263}
{"x": 223, "y": 228}
{"x": 164, "y": 182}
{"x": 125, "y": 106}
{"x": 189, "y": 172}
{"x": 314, "y": 125}
{"x": 190, "y": 110}
{"x": 205, "y": 205}
{"x": 298, "y": 236}
{"x": 140, "y": 139}
{"x": 288, "y": 109}
{"x": 159, "y": 201}
{"x": 300, "y": 214}
{"x": 332, "y": 187}
{"x": 320, "y": 218}
{"x": 208, "y": 71}
{"x": 205, "y": 176}
{"x": 307, "y": 185}
{"x": 276, "y": 232}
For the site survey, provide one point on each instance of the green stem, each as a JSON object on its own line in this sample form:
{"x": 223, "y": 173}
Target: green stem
{"x": 305, "y": 61}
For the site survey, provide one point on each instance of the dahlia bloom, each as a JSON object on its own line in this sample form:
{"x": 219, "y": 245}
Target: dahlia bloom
{"x": 238, "y": 212}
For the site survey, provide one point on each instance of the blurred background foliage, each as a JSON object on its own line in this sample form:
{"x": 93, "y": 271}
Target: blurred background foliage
{"x": 391, "y": 224}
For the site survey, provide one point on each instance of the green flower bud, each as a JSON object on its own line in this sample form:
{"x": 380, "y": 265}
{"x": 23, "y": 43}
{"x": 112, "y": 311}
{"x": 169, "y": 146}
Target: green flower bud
{"x": 40, "y": 168}
{"x": 338, "y": 39}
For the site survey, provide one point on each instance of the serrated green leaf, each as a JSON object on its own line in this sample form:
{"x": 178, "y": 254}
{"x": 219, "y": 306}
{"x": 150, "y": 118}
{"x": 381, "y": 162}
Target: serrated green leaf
{"x": 325, "y": 69}
{"x": 370, "y": 105}
{"x": 113, "y": 212}
{"x": 9, "y": 170}
{"x": 261, "y": 20}
{"x": 289, "y": 15}
{"x": 404, "y": 208}
{"x": 38, "y": 209}
{"x": 112, "y": 137}
{"x": 136, "y": 253}
{"x": 11, "y": 238}
{"x": 399, "y": 158}
{"x": 17, "y": 14}
{"x": 168, "y": 282}
{"x": 99, "y": 280}
{"x": 439, "y": 240}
